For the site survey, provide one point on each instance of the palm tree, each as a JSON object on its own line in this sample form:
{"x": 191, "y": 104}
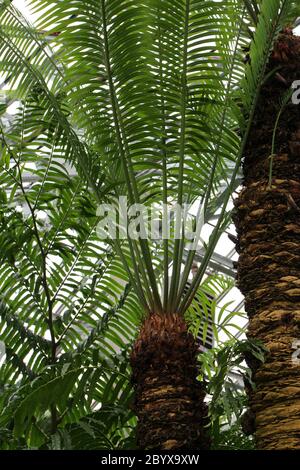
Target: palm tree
{"x": 267, "y": 220}
{"x": 152, "y": 101}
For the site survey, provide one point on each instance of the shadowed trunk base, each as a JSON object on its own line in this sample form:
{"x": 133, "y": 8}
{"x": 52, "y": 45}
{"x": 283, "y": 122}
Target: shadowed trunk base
{"x": 168, "y": 398}
{"x": 267, "y": 219}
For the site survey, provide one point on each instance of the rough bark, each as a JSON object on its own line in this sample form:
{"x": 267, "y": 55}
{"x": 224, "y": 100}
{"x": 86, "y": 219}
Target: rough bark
{"x": 169, "y": 401}
{"x": 267, "y": 219}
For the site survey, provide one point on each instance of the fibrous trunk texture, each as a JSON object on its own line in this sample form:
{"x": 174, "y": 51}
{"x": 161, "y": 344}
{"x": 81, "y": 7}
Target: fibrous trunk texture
{"x": 169, "y": 401}
{"x": 267, "y": 218}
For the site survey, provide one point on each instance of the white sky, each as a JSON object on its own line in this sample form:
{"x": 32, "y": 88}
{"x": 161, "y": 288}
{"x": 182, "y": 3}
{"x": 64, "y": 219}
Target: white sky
{"x": 21, "y": 5}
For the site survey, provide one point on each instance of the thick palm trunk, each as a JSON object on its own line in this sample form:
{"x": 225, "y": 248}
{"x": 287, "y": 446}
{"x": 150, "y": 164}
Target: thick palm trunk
{"x": 168, "y": 398}
{"x": 268, "y": 224}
